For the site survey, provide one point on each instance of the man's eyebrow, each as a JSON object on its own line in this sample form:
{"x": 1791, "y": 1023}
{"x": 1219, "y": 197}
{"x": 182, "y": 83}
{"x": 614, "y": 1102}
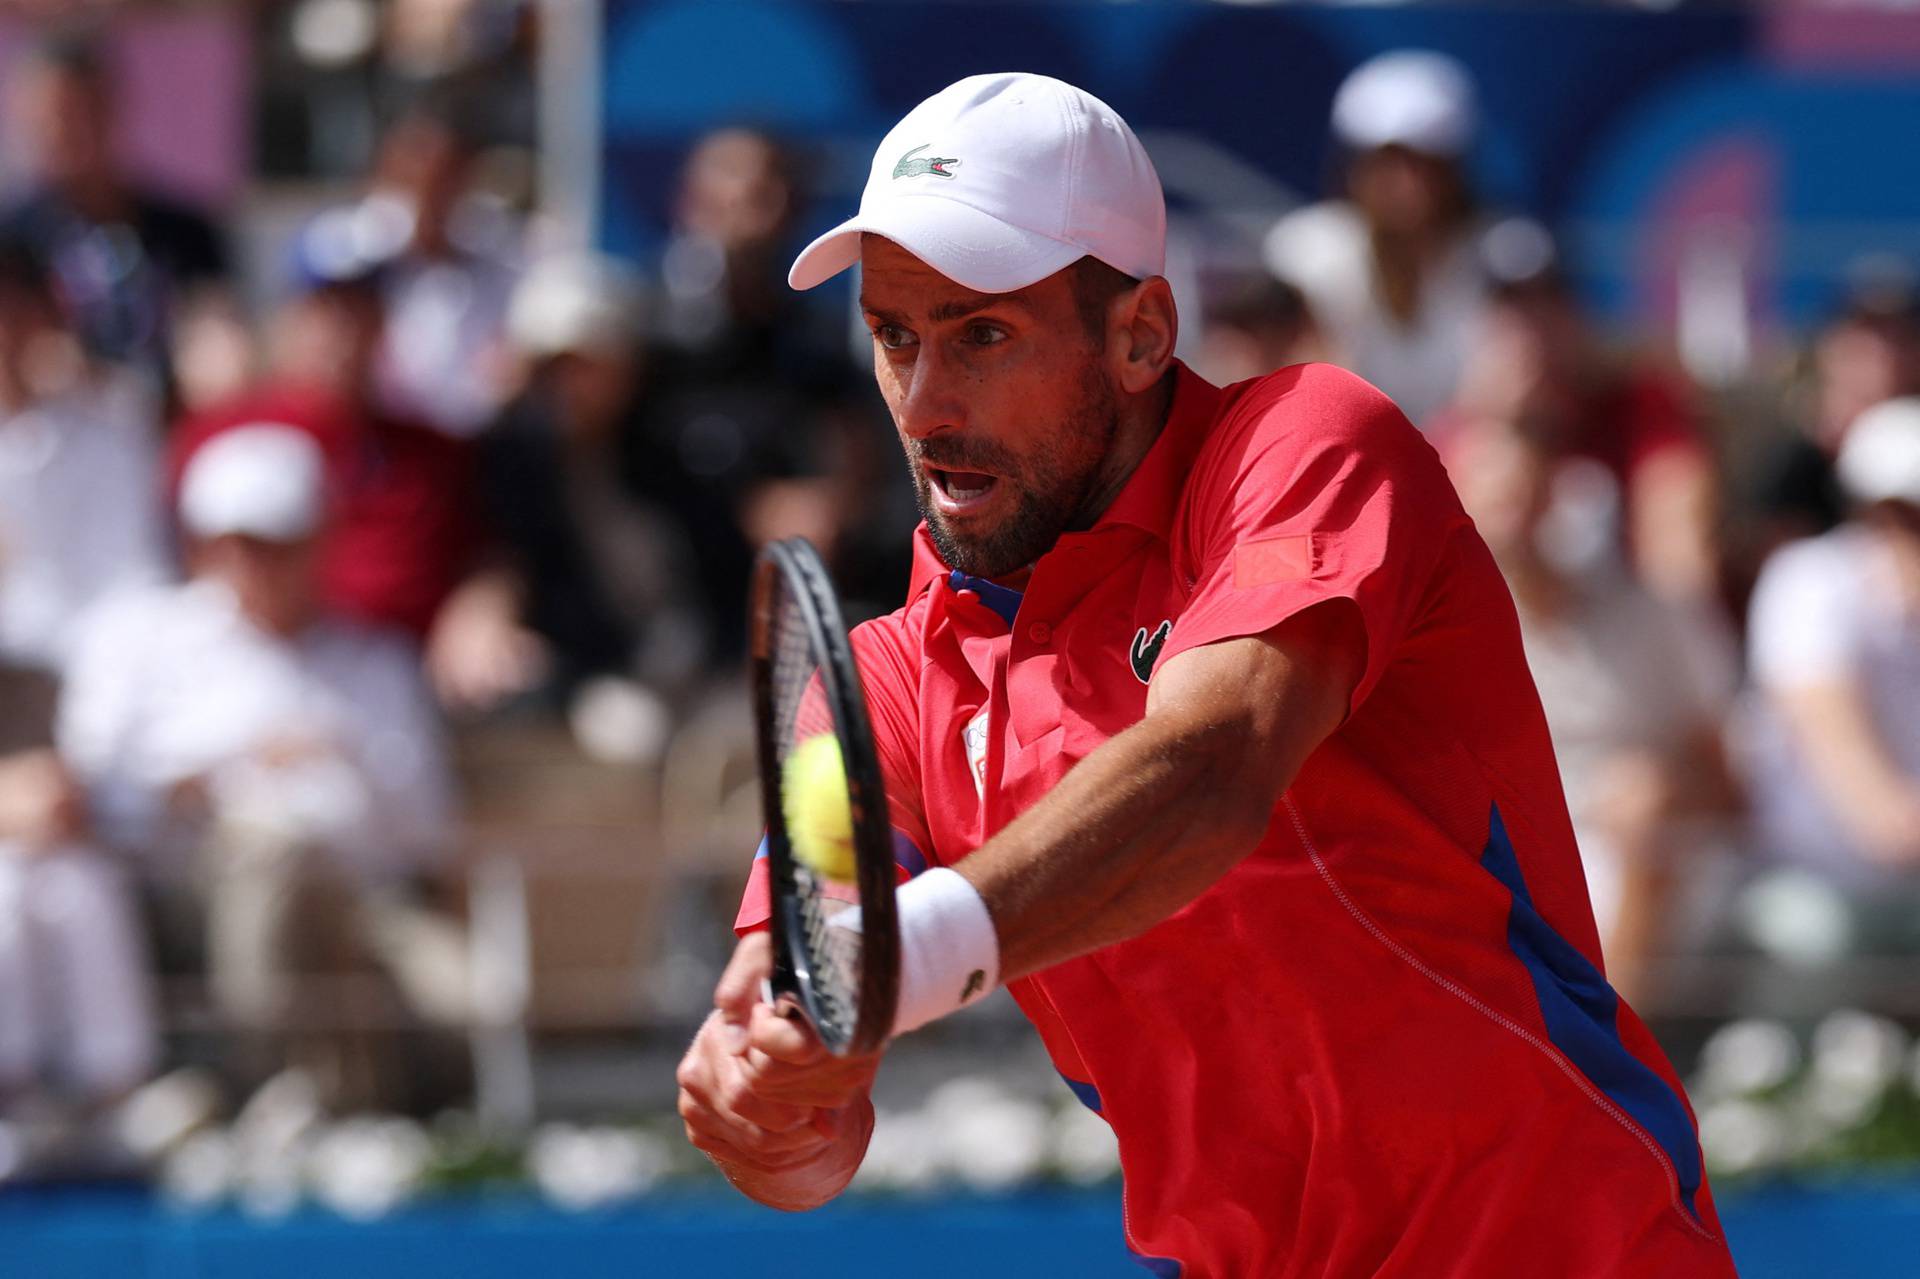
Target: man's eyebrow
{"x": 970, "y": 304}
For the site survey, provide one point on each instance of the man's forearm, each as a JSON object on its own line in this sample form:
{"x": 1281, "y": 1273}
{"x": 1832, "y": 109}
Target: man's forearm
{"x": 1139, "y": 829}
{"x": 1149, "y": 820}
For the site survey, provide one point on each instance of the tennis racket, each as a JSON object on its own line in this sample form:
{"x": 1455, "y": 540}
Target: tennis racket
{"x": 844, "y": 975}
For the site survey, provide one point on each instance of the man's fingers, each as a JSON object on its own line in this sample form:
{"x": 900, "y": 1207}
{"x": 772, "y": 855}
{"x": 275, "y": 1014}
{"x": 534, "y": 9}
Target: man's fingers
{"x": 782, "y": 1037}
{"x": 739, "y": 990}
{"x": 765, "y": 1152}
{"x": 711, "y": 1077}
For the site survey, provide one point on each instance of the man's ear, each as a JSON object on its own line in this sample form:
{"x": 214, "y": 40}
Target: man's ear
{"x": 1142, "y": 330}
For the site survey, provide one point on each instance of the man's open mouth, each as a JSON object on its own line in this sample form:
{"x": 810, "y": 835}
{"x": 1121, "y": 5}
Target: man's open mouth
{"x": 956, "y": 491}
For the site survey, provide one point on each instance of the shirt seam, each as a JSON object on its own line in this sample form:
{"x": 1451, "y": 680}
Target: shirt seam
{"x": 1447, "y": 984}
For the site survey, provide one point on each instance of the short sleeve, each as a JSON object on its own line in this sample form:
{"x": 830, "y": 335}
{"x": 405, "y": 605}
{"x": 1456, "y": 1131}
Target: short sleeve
{"x": 1804, "y": 622}
{"x": 886, "y": 651}
{"x": 1315, "y": 488}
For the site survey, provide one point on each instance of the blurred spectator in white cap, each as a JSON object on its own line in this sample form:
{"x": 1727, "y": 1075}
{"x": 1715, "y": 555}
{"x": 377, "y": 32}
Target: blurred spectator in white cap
{"x": 1634, "y": 697}
{"x": 1834, "y": 645}
{"x": 1535, "y": 364}
{"x": 403, "y": 545}
{"x": 79, "y": 474}
{"x": 1391, "y": 267}
{"x": 602, "y": 575}
{"x": 1867, "y": 351}
{"x": 284, "y": 765}
{"x": 126, "y": 257}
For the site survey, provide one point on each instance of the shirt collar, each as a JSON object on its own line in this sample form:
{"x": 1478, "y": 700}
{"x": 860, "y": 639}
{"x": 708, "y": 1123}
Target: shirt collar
{"x": 1151, "y": 496}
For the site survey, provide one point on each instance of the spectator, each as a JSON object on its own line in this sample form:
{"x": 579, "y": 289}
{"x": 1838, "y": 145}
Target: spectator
{"x": 1260, "y": 326}
{"x": 1869, "y": 352}
{"x": 1633, "y": 698}
{"x": 77, "y": 1022}
{"x": 446, "y": 265}
{"x": 604, "y": 574}
{"x": 402, "y": 530}
{"x": 756, "y": 425}
{"x": 1391, "y": 269}
{"x": 1834, "y": 644}
{"x": 79, "y": 474}
{"x": 284, "y": 762}
{"x": 125, "y": 256}
{"x": 1535, "y": 364}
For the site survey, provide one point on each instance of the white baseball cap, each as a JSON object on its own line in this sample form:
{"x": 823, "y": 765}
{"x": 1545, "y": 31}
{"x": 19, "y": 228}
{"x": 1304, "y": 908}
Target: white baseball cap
{"x": 263, "y": 480}
{"x": 1880, "y": 458}
{"x": 998, "y": 181}
{"x": 1411, "y": 98}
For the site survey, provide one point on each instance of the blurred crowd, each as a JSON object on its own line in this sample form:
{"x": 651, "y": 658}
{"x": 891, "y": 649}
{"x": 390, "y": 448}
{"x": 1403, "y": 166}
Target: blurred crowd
{"x": 271, "y": 548}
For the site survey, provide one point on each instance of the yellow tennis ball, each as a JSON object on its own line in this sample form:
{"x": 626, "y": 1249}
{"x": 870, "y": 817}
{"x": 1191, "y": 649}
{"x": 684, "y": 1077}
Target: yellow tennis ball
{"x": 819, "y": 814}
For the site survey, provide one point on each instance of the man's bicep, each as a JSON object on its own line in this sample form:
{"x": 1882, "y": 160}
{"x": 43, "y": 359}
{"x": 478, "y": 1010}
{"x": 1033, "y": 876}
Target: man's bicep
{"x": 1288, "y": 687}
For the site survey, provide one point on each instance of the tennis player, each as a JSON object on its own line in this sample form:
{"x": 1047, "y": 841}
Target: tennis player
{"x": 1209, "y": 736}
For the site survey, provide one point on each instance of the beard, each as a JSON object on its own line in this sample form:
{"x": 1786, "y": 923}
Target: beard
{"x": 1052, "y": 484}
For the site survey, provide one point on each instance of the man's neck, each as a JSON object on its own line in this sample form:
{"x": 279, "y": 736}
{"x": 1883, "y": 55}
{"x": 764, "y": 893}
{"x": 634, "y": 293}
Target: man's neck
{"x": 1141, "y": 419}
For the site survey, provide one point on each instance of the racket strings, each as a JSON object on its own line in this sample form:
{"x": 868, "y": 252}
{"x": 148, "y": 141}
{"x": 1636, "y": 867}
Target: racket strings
{"x": 800, "y": 711}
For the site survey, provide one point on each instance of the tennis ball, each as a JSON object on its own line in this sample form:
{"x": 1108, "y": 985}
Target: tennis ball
{"x": 819, "y": 815}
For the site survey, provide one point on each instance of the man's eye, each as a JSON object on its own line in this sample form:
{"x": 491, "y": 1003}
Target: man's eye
{"x": 892, "y": 336}
{"x": 985, "y": 334}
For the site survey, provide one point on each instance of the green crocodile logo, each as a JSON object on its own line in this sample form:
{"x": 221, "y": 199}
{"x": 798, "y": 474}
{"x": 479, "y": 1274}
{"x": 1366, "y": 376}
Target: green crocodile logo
{"x": 912, "y": 168}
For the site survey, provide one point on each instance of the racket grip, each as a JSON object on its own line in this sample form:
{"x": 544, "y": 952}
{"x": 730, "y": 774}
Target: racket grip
{"x": 782, "y": 1007}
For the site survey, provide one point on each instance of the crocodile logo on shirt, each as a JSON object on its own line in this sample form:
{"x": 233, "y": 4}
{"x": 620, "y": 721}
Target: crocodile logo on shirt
{"x": 909, "y": 167}
{"x": 1146, "y": 650}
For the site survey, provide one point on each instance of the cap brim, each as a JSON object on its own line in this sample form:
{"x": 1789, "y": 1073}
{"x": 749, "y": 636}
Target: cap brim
{"x": 969, "y": 247}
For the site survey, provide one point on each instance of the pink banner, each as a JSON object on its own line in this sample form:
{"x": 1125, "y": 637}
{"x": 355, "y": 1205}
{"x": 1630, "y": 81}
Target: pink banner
{"x": 182, "y": 97}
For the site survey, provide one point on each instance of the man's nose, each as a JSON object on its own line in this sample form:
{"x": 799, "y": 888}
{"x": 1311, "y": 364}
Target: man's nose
{"x": 931, "y": 401}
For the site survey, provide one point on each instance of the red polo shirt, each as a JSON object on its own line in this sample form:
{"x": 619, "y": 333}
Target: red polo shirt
{"x": 1381, "y": 1044}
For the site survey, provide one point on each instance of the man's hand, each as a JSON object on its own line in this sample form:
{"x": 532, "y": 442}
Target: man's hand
{"x": 785, "y": 1120}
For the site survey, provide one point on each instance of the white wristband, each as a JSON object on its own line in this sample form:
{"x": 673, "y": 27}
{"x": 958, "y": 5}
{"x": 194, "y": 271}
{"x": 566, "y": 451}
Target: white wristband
{"x": 949, "y": 952}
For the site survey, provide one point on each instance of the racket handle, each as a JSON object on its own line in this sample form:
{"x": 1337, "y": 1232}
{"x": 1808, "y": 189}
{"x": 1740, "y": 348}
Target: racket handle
{"x": 781, "y": 1005}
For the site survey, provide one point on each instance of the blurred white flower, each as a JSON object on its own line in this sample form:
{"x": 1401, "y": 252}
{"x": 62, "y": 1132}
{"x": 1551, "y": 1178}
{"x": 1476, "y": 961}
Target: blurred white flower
{"x": 1746, "y": 1057}
{"x": 904, "y": 1154}
{"x": 365, "y": 1168}
{"x": 1084, "y": 1148}
{"x": 1798, "y": 918}
{"x": 992, "y": 1139}
{"x": 1858, "y": 1051}
{"x": 162, "y": 1113}
{"x": 201, "y": 1171}
{"x": 587, "y": 1167}
{"x": 1739, "y": 1136}
{"x": 277, "y": 1116}
{"x": 1836, "y": 1104}
{"x": 267, "y": 1188}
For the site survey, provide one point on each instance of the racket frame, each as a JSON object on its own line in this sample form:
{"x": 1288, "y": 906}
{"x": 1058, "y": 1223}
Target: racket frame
{"x": 793, "y": 567}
